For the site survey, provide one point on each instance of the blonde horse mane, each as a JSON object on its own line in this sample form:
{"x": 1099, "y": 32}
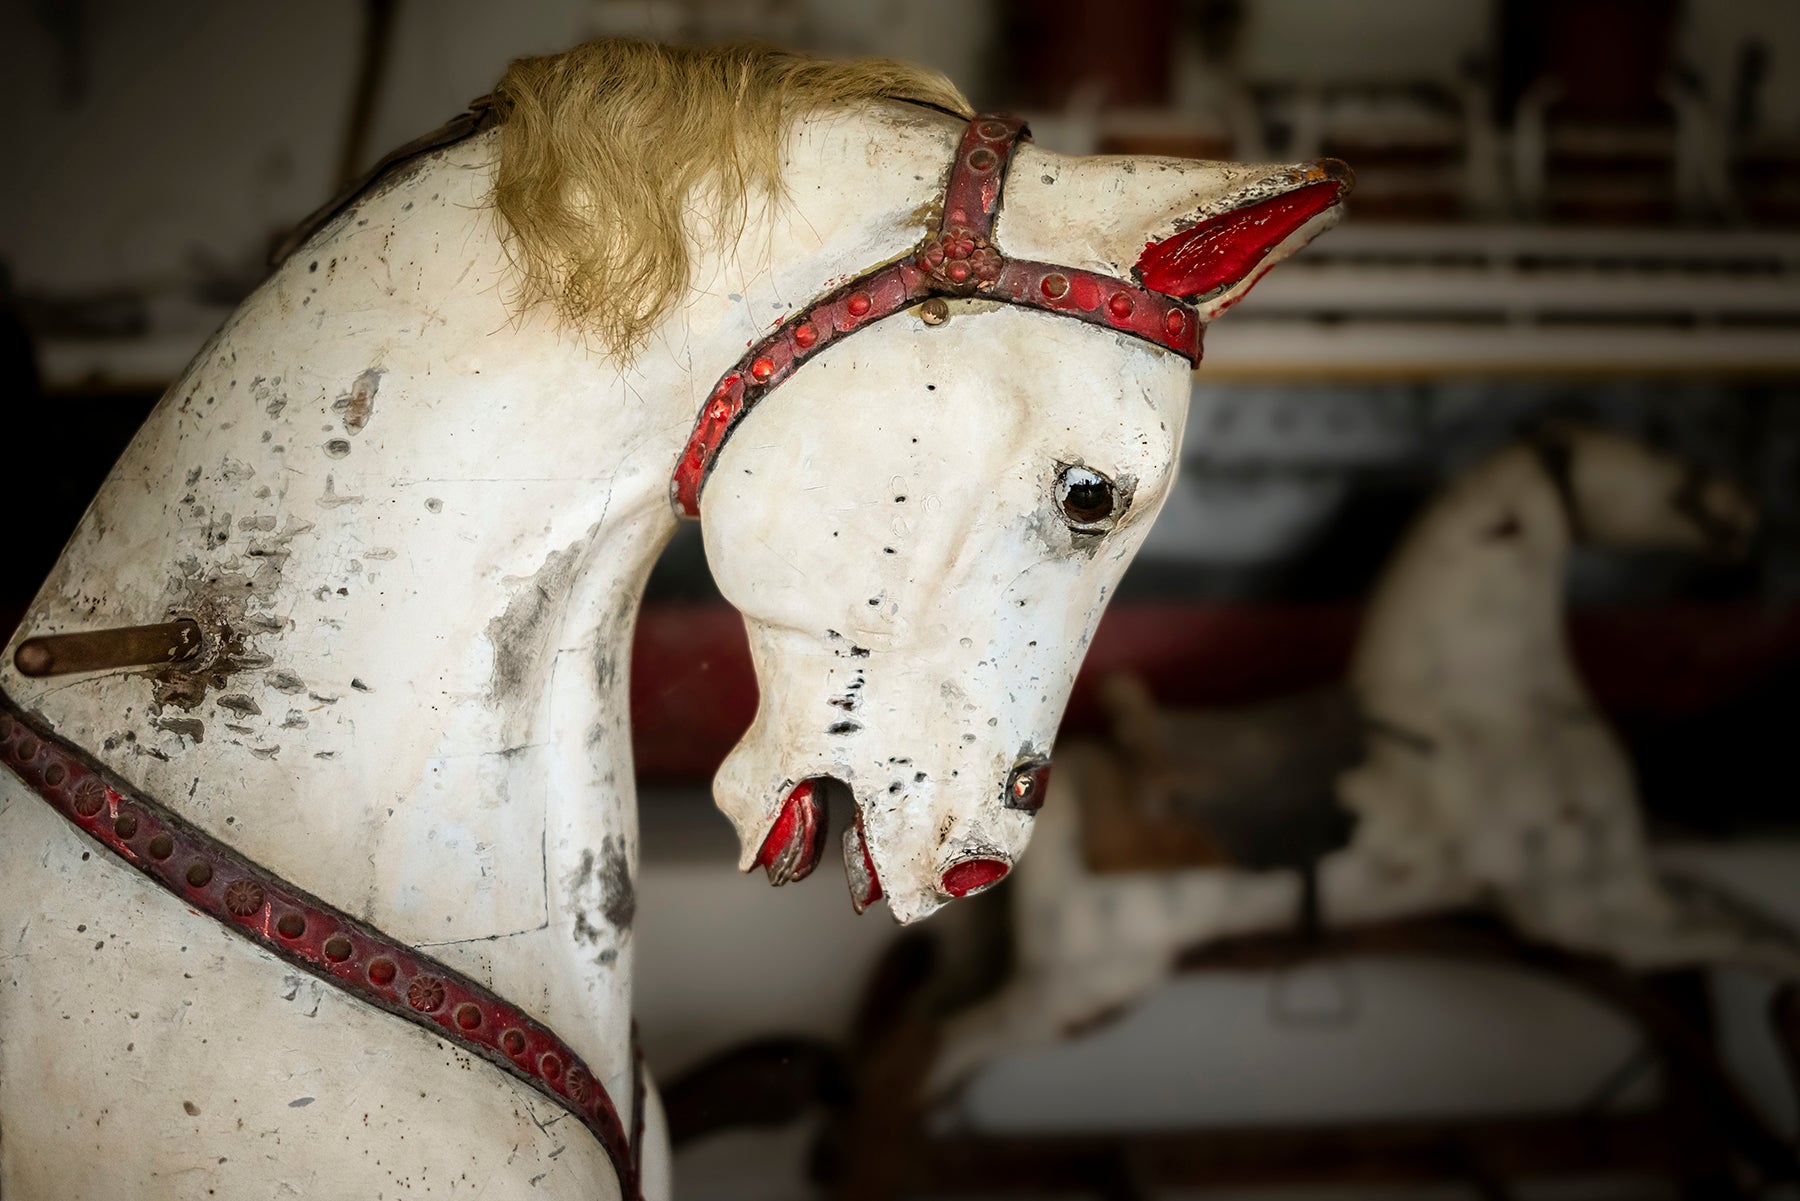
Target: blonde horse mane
{"x": 604, "y": 147}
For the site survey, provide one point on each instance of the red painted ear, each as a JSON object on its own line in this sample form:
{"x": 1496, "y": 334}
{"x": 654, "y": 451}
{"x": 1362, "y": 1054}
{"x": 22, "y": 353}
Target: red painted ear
{"x": 1223, "y": 250}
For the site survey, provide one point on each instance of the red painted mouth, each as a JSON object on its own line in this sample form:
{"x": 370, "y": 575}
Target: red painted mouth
{"x": 973, "y": 875}
{"x": 797, "y": 839}
{"x": 859, "y": 868}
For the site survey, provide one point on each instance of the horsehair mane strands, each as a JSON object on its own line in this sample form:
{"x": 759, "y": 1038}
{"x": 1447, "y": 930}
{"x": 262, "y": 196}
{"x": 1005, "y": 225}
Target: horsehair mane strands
{"x": 603, "y": 148}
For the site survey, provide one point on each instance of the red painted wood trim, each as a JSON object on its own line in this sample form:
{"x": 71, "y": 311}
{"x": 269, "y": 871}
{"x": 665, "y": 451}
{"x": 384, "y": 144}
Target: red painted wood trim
{"x": 1103, "y": 300}
{"x": 208, "y": 876}
{"x": 977, "y": 175}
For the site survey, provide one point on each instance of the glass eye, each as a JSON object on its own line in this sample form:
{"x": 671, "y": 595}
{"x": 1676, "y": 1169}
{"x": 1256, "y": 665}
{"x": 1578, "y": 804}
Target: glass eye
{"x": 1088, "y": 501}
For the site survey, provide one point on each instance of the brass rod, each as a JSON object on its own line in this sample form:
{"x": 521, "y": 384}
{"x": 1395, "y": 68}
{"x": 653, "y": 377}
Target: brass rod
{"x": 103, "y": 650}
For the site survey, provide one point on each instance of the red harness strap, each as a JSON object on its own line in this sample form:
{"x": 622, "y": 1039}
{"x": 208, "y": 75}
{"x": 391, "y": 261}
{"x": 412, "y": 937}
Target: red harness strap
{"x": 252, "y": 901}
{"x": 960, "y": 259}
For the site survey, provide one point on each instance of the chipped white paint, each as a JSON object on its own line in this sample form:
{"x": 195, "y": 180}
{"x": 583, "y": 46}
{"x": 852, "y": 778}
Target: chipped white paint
{"x": 1498, "y": 783}
{"x": 429, "y": 520}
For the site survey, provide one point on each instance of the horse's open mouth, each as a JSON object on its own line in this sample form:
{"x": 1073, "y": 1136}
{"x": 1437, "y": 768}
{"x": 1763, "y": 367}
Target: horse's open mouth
{"x": 796, "y": 842}
{"x": 859, "y": 868}
{"x": 797, "y": 839}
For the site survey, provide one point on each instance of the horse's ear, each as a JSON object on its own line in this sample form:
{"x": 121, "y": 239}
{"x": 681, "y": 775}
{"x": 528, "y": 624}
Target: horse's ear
{"x": 1213, "y": 260}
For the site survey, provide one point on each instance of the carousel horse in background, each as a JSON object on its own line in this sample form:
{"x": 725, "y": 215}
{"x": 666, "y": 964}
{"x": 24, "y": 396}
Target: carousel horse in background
{"x": 318, "y": 836}
{"x": 1466, "y": 765}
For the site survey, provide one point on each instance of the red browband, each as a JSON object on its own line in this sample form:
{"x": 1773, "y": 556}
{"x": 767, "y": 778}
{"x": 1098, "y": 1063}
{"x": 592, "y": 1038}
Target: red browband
{"x": 959, "y": 260}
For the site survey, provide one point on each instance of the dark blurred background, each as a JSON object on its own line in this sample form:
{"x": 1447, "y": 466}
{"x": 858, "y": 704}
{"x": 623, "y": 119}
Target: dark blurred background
{"x": 1565, "y": 208}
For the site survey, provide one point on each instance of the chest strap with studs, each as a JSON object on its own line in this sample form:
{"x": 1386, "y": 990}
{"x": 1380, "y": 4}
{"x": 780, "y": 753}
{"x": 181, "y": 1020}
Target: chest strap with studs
{"x": 255, "y": 903}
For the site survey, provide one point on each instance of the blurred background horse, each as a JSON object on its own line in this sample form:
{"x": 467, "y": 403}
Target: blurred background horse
{"x": 1465, "y": 764}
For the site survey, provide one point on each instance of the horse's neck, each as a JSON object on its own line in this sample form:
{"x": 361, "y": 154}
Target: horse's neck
{"x": 1467, "y": 620}
{"x": 429, "y": 519}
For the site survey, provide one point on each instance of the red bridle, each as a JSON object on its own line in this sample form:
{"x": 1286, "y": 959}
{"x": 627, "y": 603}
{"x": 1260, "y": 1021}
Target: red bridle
{"x": 959, "y": 260}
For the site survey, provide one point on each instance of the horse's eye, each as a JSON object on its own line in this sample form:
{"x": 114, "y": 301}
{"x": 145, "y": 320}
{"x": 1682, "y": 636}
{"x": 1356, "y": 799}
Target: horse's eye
{"x": 1087, "y": 499}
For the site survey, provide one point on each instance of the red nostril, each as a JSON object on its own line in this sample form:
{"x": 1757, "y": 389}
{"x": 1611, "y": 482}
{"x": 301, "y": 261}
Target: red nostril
{"x": 973, "y": 875}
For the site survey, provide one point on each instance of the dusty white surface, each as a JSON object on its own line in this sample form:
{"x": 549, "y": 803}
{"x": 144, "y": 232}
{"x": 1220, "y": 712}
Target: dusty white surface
{"x": 425, "y": 521}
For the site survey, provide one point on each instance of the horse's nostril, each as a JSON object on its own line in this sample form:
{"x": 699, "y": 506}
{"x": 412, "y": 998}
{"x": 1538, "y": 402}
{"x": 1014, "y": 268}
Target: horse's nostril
{"x": 1025, "y": 787}
{"x": 973, "y": 875}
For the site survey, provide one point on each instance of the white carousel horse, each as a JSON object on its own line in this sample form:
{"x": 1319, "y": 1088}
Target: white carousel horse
{"x": 338, "y": 899}
{"x": 1488, "y": 774}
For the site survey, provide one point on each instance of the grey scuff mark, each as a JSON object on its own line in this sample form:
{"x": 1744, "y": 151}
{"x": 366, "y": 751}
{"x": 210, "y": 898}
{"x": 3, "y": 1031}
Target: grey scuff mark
{"x": 615, "y": 631}
{"x": 239, "y": 703}
{"x": 581, "y": 884}
{"x": 266, "y": 392}
{"x": 601, "y": 884}
{"x": 521, "y": 634}
{"x": 300, "y": 1102}
{"x": 191, "y": 728}
{"x": 618, "y": 897}
{"x": 219, "y": 605}
{"x": 358, "y": 405}
{"x": 332, "y": 500}
{"x": 230, "y": 606}
{"x": 585, "y": 930}
{"x": 316, "y": 992}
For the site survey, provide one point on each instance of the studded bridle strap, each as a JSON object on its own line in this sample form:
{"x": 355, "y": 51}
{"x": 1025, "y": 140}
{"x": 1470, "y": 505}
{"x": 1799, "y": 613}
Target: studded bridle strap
{"x": 251, "y": 901}
{"x": 960, "y": 260}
